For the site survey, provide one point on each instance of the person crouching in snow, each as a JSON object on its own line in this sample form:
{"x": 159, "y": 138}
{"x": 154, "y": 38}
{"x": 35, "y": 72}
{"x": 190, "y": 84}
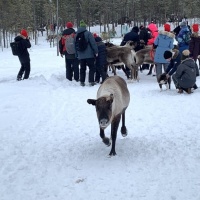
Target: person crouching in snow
{"x": 174, "y": 58}
{"x": 24, "y": 57}
{"x": 100, "y": 59}
{"x": 185, "y": 76}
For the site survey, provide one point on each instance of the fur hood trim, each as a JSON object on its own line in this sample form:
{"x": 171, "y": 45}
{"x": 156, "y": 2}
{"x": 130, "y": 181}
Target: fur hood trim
{"x": 176, "y": 52}
{"x": 195, "y": 34}
{"x": 167, "y": 33}
{"x": 186, "y": 60}
{"x": 22, "y": 36}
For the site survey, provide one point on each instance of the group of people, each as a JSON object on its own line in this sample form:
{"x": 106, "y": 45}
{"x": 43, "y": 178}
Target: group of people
{"x": 178, "y": 62}
{"x": 94, "y": 56}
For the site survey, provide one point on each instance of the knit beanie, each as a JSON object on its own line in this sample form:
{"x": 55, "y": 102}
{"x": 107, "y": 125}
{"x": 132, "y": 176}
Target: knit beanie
{"x": 95, "y": 35}
{"x": 183, "y": 24}
{"x": 167, "y": 54}
{"x": 82, "y": 24}
{"x": 24, "y": 33}
{"x": 185, "y": 54}
{"x": 195, "y": 28}
{"x": 69, "y": 25}
{"x": 167, "y": 27}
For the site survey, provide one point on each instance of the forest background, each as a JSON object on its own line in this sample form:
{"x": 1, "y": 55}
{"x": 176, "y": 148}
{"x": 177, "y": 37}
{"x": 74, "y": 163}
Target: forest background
{"x": 34, "y": 15}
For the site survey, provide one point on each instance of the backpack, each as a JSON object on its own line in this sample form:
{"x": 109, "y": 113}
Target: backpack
{"x": 187, "y": 37}
{"x": 81, "y": 43}
{"x": 69, "y": 44}
{"x": 17, "y": 48}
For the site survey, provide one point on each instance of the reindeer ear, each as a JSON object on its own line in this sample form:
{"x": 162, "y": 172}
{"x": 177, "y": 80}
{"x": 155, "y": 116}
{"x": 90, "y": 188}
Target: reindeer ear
{"x": 92, "y": 101}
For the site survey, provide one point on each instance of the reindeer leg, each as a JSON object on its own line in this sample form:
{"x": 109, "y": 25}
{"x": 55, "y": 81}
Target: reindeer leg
{"x": 123, "y": 128}
{"x": 114, "y": 128}
{"x": 124, "y": 70}
{"x": 105, "y": 140}
{"x": 113, "y": 69}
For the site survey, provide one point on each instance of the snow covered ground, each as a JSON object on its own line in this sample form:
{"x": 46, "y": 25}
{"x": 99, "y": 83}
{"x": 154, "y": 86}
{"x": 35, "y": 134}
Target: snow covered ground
{"x": 50, "y": 148}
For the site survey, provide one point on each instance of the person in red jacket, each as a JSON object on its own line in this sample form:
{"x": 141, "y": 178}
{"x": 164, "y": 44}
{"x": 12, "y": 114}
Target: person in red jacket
{"x": 154, "y": 31}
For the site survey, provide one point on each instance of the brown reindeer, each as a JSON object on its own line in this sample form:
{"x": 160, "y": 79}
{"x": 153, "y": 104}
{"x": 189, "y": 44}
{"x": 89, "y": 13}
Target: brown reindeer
{"x": 144, "y": 56}
{"x": 120, "y": 55}
{"x": 112, "y": 100}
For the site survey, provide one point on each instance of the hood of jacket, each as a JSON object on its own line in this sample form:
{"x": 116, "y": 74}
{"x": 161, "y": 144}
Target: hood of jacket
{"x": 189, "y": 62}
{"x": 176, "y": 53}
{"x": 68, "y": 31}
{"x": 153, "y": 27}
{"x": 166, "y": 33}
{"x": 19, "y": 37}
{"x": 81, "y": 29}
{"x": 195, "y": 36}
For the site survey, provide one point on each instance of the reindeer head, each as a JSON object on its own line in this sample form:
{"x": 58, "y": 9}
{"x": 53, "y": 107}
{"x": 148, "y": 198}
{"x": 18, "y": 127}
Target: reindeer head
{"x": 131, "y": 44}
{"x": 104, "y": 109}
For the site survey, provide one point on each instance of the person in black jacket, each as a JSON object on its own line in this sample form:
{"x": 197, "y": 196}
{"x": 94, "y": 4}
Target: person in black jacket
{"x": 144, "y": 36}
{"x": 101, "y": 61}
{"x": 132, "y": 36}
{"x": 24, "y": 57}
{"x": 174, "y": 58}
{"x": 72, "y": 63}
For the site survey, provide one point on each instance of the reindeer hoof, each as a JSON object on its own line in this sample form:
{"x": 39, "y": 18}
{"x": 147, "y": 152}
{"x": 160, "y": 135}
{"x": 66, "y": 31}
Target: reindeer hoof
{"x": 107, "y": 141}
{"x": 112, "y": 153}
{"x": 124, "y": 131}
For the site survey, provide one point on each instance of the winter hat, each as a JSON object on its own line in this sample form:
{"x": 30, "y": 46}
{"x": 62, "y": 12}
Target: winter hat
{"x": 135, "y": 29}
{"x": 183, "y": 24}
{"x": 167, "y": 27}
{"x": 82, "y": 24}
{"x": 24, "y": 33}
{"x": 186, "y": 52}
{"x": 195, "y": 28}
{"x": 95, "y": 35}
{"x": 69, "y": 25}
{"x": 167, "y": 54}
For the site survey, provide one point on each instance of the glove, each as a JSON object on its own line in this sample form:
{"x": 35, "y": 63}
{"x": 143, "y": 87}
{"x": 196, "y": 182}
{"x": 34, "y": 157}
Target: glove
{"x": 61, "y": 55}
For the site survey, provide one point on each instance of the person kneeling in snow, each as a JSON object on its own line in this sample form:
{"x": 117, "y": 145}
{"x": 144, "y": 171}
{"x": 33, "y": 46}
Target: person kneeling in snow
{"x": 185, "y": 76}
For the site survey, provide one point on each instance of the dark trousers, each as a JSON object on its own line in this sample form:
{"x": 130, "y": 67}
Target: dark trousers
{"x": 25, "y": 67}
{"x": 100, "y": 71}
{"x": 145, "y": 66}
{"x": 83, "y": 65}
{"x": 72, "y": 66}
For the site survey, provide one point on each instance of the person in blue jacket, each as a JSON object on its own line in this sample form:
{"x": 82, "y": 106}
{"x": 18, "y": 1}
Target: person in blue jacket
{"x": 87, "y": 57}
{"x": 162, "y": 43}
